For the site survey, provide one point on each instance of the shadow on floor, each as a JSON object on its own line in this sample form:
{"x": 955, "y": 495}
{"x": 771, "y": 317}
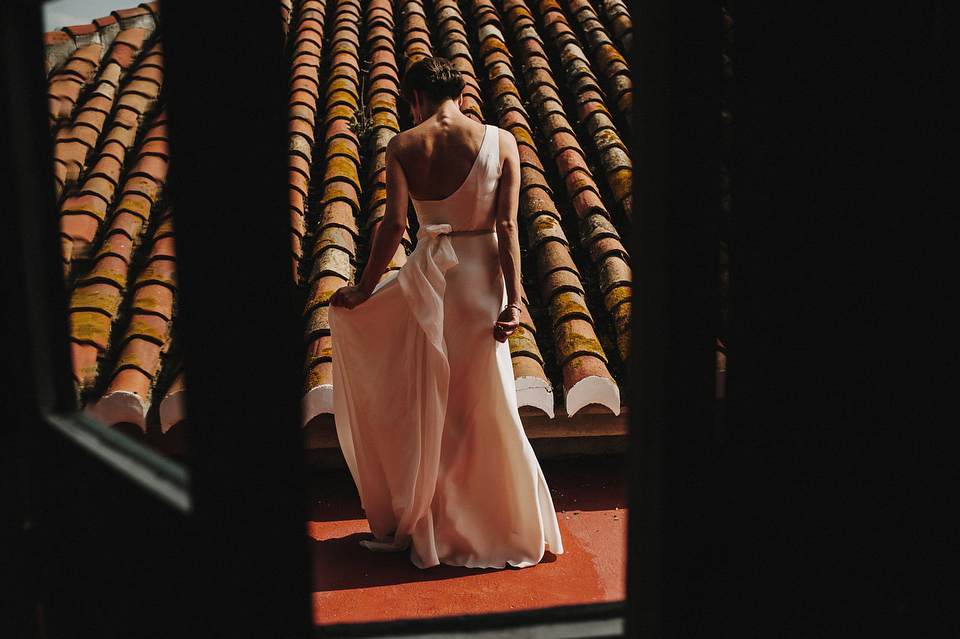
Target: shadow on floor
{"x": 354, "y": 584}
{"x": 370, "y": 569}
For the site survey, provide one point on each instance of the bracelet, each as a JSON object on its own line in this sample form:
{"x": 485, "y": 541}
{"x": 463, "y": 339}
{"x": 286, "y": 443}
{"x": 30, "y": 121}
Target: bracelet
{"x": 514, "y": 306}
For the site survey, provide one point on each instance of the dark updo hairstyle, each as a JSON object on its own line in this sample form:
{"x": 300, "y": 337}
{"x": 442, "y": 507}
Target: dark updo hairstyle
{"x": 435, "y": 78}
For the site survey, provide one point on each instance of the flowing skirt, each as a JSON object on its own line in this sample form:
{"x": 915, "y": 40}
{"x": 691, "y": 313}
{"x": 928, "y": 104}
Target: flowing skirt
{"x": 426, "y": 413}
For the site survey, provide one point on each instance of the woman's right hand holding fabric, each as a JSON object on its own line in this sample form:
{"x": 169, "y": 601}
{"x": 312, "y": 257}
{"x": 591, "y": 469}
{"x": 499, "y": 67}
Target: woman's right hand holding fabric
{"x": 507, "y": 323}
{"x": 348, "y": 297}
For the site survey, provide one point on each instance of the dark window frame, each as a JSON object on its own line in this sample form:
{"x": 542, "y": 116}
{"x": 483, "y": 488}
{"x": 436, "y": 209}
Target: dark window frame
{"x": 196, "y": 509}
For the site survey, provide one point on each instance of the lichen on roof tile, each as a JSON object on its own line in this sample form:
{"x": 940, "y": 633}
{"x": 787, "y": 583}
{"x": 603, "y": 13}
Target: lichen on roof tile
{"x": 559, "y": 83}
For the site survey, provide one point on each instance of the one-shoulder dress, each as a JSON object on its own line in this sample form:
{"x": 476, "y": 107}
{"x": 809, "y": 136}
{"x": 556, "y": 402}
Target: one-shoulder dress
{"x": 424, "y": 396}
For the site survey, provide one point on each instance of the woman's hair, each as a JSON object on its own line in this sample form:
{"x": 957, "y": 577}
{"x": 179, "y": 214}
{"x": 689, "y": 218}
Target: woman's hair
{"x": 436, "y": 78}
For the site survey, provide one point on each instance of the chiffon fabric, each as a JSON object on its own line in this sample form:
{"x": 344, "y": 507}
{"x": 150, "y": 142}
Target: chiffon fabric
{"x": 425, "y": 402}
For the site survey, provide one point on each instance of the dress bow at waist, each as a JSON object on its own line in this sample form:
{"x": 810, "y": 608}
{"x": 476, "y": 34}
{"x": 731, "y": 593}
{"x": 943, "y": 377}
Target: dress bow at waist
{"x": 422, "y": 279}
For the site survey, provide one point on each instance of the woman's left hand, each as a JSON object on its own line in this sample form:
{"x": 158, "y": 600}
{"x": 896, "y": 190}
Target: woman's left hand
{"x": 507, "y": 323}
{"x": 348, "y": 297}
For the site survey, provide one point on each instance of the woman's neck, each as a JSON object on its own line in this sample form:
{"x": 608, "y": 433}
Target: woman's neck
{"x": 442, "y": 110}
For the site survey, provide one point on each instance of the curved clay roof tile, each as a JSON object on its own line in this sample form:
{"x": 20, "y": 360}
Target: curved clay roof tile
{"x": 595, "y": 227}
{"x": 586, "y": 380}
{"x": 320, "y": 349}
{"x": 553, "y": 254}
{"x": 614, "y": 271}
{"x": 383, "y": 57}
{"x": 339, "y": 212}
{"x": 530, "y": 52}
{"x": 343, "y": 146}
{"x": 621, "y": 183}
{"x": 555, "y": 122}
{"x": 320, "y": 291}
{"x": 546, "y": 101}
{"x": 544, "y": 227}
{"x": 594, "y": 115}
{"x": 93, "y": 326}
{"x": 577, "y": 181}
{"x": 380, "y": 37}
{"x": 297, "y": 127}
{"x": 521, "y": 133}
{"x": 346, "y": 63}
{"x": 342, "y": 169}
{"x": 110, "y": 269}
{"x": 574, "y": 332}
{"x": 537, "y": 202}
{"x": 383, "y": 79}
{"x": 387, "y": 120}
{"x": 336, "y": 235}
{"x": 332, "y": 260}
{"x": 568, "y": 156}
{"x": 604, "y": 247}
{"x": 580, "y": 76}
{"x": 339, "y": 111}
{"x": 523, "y": 348}
{"x": 340, "y": 191}
{"x": 617, "y": 296}
{"x": 561, "y": 281}
{"x": 587, "y": 202}
{"x": 346, "y": 97}
{"x": 529, "y": 158}
{"x": 343, "y": 46}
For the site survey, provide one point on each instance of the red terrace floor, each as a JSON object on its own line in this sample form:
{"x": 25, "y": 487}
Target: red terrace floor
{"x": 353, "y": 584}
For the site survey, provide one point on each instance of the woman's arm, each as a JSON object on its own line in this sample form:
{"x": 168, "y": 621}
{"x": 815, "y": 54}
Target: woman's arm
{"x": 508, "y": 200}
{"x": 387, "y": 238}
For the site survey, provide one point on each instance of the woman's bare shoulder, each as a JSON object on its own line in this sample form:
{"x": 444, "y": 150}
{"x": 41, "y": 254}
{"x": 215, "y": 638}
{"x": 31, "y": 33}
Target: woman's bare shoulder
{"x": 401, "y": 140}
{"x": 508, "y": 145}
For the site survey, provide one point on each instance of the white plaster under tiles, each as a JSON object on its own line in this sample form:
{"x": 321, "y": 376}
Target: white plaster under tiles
{"x": 120, "y": 406}
{"x": 172, "y": 410}
{"x": 318, "y": 400}
{"x": 593, "y": 390}
{"x": 535, "y": 392}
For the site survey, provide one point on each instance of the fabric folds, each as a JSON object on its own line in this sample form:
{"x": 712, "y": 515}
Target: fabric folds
{"x": 425, "y": 403}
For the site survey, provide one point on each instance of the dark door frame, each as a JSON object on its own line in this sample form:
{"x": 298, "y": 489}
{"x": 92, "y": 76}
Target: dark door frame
{"x": 131, "y": 544}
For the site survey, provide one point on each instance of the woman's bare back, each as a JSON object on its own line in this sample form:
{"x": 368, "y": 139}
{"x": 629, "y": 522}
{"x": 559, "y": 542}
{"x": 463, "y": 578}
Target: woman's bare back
{"x": 438, "y": 154}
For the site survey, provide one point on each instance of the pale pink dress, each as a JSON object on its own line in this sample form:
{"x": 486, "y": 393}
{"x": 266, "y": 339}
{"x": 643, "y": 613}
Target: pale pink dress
{"x": 425, "y": 402}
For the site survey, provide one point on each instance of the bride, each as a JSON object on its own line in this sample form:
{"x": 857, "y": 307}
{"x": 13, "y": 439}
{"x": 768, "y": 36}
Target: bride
{"x": 424, "y": 397}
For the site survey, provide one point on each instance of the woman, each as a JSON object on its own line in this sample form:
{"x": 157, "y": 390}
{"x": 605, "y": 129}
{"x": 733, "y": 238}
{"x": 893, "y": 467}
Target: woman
{"x": 424, "y": 396}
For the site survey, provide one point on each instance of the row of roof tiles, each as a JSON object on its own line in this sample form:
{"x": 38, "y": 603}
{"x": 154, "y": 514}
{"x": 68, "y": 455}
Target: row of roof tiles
{"x": 346, "y": 56}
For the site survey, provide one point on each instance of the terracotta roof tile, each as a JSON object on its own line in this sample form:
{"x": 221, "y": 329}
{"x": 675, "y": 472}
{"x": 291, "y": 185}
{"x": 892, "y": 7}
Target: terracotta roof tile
{"x": 56, "y": 37}
{"x": 84, "y": 355}
{"x": 105, "y": 21}
{"x": 67, "y": 82}
{"x": 345, "y": 58}
{"x": 560, "y": 281}
{"x": 80, "y": 29}
{"x": 339, "y": 213}
{"x": 130, "y": 13}
{"x": 533, "y": 386}
{"x": 102, "y": 180}
{"x": 582, "y": 81}
{"x": 320, "y": 367}
{"x": 621, "y": 23}
{"x": 172, "y": 406}
{"x": 75, "y": 141}
{"x": 126, "y": 46}
{"x": 587, "y": 384}
{"x": 144, "y": 339}
{"x": 335, "y": 247}
{"x": 304, "y": 97}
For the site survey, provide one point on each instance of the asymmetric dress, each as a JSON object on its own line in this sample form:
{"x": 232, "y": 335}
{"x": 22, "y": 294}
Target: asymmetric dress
{"x": 425, "y": 401}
